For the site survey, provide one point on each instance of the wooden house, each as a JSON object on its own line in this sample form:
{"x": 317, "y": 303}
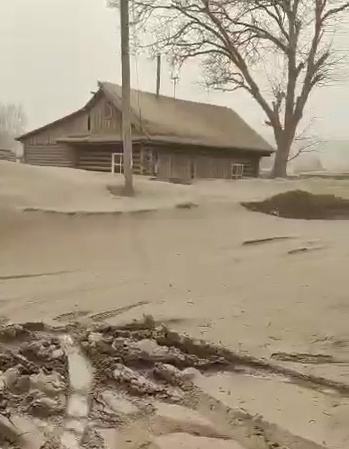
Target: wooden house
{"x": 172, "y": 138}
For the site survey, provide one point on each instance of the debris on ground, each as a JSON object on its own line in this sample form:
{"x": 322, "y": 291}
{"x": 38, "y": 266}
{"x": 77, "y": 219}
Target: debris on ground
{"x": 93, "y": 380}
{"x": 304, "y": 249}
{"x": 265, "y": 240}
{"x": 300, "y": 204}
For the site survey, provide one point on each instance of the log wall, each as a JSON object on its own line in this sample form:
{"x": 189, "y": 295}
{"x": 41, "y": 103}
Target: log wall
{"x": 99, "y": 157}
{"x": 7, "y": 155}
{"x": 58, "y": 155}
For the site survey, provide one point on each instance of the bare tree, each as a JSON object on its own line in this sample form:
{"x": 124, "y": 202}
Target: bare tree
{"x": 304, "y": 142}
{"x": 277, "y": 51}
{"x": 12, "y": 124}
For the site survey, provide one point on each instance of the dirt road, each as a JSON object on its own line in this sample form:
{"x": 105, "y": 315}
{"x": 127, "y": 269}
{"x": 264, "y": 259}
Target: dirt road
{"x": 190, "y": 269}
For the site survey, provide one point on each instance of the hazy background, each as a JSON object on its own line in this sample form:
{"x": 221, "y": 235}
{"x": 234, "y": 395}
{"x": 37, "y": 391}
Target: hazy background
{"x": 54, "y": 51}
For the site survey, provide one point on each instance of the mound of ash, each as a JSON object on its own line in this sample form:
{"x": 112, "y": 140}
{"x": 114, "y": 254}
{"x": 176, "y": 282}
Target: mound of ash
{"x": 299, "y": 204}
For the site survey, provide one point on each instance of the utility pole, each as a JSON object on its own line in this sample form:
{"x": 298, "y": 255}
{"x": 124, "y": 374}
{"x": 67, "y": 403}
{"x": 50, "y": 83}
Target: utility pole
{"x": 158, "y": 74}
{"x": 126, "y": 88}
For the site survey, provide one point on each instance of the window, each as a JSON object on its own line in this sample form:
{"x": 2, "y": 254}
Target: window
{"x": 108, "y": 111}
{"x": 88, "y": 122}
{"x": 117, "y": 163}
{"x": 237, "y": 171}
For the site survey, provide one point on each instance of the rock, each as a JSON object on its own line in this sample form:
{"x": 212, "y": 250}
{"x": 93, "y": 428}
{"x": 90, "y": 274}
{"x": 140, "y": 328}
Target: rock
{"x": 15, "y": 382}
{"x": 58, "y": 354}
{"x": 51, "y": 385}
{"x": 2, "y": 381}
{"x": 12, "y": 331}
{"x": 94, "y": 338}
{"x": 31, "y": 437}
{"x": 185, "y": 441}
{"x": 151, "y": 348}
{"x": 123, "y": 373}
{"x": 22, "y": 432}
{"x": 136, "y": 382}
{"x": 189, "y": 374}
{"x": 118, "y": 403}
{"x": 8, "y": 430}
{"x": 10, "y": 377}
{"x": 43, "y": 406}
{"x": 169, "y": 373}
{"x": 175, "y": 418}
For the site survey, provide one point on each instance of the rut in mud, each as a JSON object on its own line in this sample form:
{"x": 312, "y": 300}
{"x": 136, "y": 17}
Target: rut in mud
{"x": 71, "y": 387}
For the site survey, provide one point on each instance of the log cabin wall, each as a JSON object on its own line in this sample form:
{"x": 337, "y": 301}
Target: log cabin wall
{"x": 42, "y": 148}
{"x": 57, "y": 155}
{"x": 98, "y": 157}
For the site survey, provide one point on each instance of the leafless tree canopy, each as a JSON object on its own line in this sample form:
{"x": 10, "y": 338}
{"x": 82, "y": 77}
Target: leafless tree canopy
{"x": 12, "y": 124}
{"x": 276, "y": 50}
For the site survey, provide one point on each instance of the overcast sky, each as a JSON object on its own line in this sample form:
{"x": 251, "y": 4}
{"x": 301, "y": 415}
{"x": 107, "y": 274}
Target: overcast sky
{"x": 54, "y": 51}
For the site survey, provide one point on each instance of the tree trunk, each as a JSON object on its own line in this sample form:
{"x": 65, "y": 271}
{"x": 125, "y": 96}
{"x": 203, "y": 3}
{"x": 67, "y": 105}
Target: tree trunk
{"x": 281, "y": 158}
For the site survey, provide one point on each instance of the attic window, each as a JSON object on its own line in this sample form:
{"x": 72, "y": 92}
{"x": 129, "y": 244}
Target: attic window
{"x": 108, "y": 111}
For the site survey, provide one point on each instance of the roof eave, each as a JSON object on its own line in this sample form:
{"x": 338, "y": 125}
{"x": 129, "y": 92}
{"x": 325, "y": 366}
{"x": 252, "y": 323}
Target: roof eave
{"x": 260, "y": 151}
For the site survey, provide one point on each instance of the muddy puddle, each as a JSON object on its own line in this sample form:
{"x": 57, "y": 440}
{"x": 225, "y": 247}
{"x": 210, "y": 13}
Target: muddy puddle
{"x": 144, "y": 386}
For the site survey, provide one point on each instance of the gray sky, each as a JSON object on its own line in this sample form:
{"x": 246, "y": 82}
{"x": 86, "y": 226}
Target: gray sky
{"x": 54, "y": 51}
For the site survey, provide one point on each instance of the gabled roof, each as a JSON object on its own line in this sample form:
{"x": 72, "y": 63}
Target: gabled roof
{"x": 187, "y": 122}
{"x": 167, "y": 119}
{"x": 61, "y": 120}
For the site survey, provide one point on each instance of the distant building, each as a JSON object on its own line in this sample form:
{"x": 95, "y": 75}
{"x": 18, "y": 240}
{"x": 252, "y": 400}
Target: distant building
{"x": 7, "y": 155}
{"x": 172, "y": 138}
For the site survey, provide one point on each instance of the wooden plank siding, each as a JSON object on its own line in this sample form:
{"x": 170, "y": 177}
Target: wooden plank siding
{"x": 74, "y": 126}
{"x": 104, "y": 118}
{"x": 220, "y": 167}
{"x": 187, "y": 163}
{"x": 41, "y": 148}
